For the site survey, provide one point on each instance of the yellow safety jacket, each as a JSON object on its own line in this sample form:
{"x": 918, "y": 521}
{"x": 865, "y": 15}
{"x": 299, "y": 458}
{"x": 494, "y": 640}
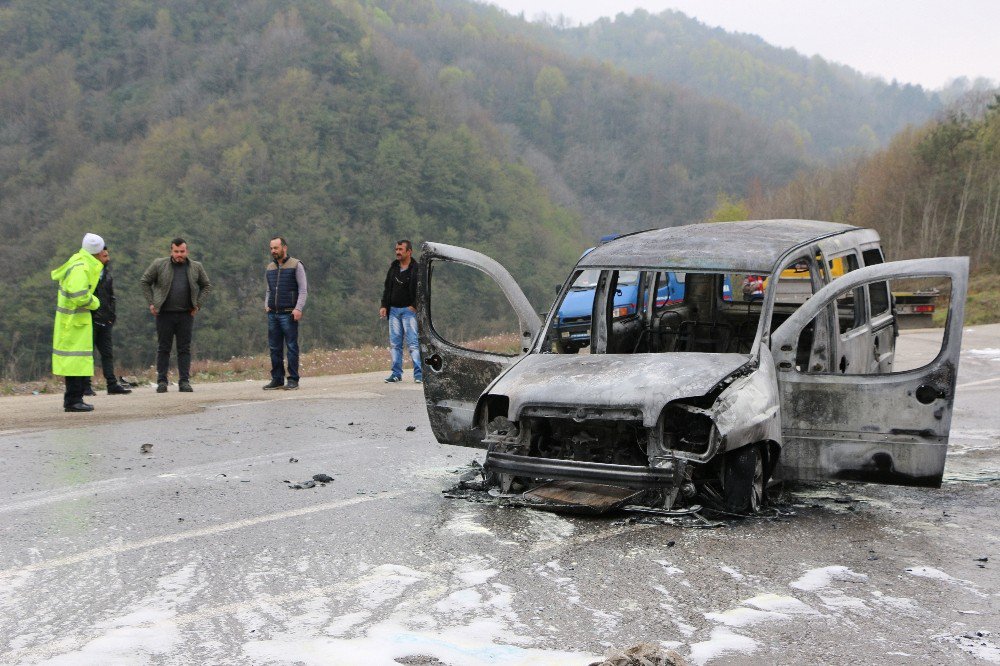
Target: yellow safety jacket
{"x": 73, "y": 333}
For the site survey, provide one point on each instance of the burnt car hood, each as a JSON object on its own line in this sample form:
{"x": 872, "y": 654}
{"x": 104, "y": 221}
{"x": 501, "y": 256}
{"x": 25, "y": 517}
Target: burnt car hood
{"x": 636, "y": 381}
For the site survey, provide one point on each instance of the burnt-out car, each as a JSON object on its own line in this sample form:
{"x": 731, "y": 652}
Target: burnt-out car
{"x": 780, "y": 362}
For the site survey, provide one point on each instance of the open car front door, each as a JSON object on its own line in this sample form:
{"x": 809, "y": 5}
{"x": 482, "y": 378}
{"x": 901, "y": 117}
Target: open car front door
{"x": 873, "y": 426}
{"x": 454, "y": 375}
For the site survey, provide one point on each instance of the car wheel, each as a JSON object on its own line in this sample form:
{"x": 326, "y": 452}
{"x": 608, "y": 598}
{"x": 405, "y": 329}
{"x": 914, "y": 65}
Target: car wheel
{"x": 743, "y": 486}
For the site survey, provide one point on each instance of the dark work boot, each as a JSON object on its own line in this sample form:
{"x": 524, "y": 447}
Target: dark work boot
{"x": 274, "y": 384}
{"x": 184, "y": 386}
{"x": 78, "y": 407}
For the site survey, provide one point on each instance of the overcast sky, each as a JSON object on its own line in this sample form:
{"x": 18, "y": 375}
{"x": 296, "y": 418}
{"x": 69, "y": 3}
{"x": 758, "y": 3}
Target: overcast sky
{"x": 913, "y": 41}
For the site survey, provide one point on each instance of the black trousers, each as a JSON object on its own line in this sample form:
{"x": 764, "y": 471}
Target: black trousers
{"x": 104, "y": 346}
{"x": 75, "y": 387}
{"x": 170, "y": 325}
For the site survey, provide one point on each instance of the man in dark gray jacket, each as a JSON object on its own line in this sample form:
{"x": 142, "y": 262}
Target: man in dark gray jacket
{"x": 175, "y": 288}
{"x": 104, "y": 323}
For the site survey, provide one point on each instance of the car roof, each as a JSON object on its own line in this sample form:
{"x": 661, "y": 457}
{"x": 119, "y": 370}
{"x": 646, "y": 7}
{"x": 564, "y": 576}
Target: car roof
{"x": 749, "y": 246}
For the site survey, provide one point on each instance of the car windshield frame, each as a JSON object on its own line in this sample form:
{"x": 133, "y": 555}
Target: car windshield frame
{"x": 551, "y": 326}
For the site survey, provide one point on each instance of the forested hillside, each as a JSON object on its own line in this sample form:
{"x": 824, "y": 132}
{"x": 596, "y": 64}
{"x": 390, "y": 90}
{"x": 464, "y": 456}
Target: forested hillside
{"x": 934, "y": 191}
{"x": 831, "y": 109}
{"x": 227, "y": 123}
{"x": 628, "y": 153}
{"x": 342, "y": 125}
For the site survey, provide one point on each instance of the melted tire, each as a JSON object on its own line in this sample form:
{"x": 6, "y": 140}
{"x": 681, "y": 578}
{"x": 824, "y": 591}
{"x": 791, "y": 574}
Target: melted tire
{"x": 743, "y": 484}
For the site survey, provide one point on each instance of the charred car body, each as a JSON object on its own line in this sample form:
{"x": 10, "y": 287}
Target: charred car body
{"x": 713, "y": 394}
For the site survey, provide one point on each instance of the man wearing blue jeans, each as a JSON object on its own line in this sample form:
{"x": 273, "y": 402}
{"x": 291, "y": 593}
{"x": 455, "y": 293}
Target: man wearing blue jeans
{"x": 399, "y": 299}
{"x": 284, "y": 302}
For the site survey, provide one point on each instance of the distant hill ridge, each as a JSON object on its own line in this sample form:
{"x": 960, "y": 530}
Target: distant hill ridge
{"x": 343, "y": 125}
{"x": 832, "y": 109}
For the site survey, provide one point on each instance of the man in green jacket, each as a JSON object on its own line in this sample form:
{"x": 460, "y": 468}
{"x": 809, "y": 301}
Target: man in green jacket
{"x": 175, "y": 288}
{"x": 73, "y": 333}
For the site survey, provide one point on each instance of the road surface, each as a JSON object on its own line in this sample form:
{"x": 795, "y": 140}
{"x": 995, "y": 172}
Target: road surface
{"x": 199, "y": 551}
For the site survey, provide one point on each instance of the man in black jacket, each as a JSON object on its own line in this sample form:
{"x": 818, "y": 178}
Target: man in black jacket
{"x": 399, "y": 298}
{"x": 104, "y": 321}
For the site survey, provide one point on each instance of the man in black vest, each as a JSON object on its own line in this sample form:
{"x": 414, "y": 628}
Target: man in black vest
{"x": 284, "y": 302}
{"x": 104, "y": 322}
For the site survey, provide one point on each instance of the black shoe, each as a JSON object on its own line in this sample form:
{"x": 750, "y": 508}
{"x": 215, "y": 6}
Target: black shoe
{"x": 78, "y": 407}
{"x": 161, "y": 387}
{"x": 89, "y": 391}
{"x": 292, "y": 385}
{"x": 273, "y": 384}
{"x": 184, "y": 386}
{"x": 118, "y": 389}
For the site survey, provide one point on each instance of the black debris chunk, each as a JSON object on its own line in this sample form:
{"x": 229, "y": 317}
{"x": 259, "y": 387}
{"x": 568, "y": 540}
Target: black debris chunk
{"x": 670, "y": 544}
{"x": 293, "y": 460}
{"x": 146, "y": 448}
{"x": 322, "y": 478}
{"x": 410, "y": 428}
{"x": 982, "y": 559}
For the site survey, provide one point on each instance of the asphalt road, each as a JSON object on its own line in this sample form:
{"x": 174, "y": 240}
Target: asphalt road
{"x": 199, "y": 552}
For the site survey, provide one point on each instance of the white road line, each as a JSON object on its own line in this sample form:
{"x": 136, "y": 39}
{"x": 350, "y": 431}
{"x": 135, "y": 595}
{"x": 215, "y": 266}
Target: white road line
{"x": 107, "y": 551}
{"x": 979, "y": 383}
{"x": 343, "y": 395}
{"x": 42, "y": 498}
{"x": 51, "y": 496}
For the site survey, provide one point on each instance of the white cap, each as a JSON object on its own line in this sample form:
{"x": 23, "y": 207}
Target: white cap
{"x": 93, "y": 243}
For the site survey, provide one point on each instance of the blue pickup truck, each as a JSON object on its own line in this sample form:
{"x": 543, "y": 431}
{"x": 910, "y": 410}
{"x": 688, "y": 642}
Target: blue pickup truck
{"x": 573, "y": 320}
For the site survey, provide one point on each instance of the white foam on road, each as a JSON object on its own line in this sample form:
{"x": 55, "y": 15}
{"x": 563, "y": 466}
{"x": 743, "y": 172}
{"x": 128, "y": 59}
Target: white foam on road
{"x": 344, "y": 623}
{"x": 476, "y": 576}
{"x": 453, "y": 612}
{"x": 732, "y": 571}
{"x": 385, "y": 583}
{"x": 817, "y": 579}
{"x": 478, "y": 643}
{"x": 979, "y": 644}
{"x": 669, "y": 568}
{"x": 743, "y": 617}
{"x": 462, "y": 601}
{"x": 937, "y": 574}
{"x": 142, "y": 634}
{"x": 722, "y": 642}
{"x": 987, "y": 354}
{"x": 780, "y": 603}
{"x": 464, "y": 522}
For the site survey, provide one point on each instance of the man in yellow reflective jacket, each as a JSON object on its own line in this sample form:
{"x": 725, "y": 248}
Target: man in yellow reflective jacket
{"x": 73, "y": 333}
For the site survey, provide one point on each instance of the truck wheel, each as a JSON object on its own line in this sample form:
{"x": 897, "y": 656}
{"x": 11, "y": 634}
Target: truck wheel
{"x": 743, "y": 485}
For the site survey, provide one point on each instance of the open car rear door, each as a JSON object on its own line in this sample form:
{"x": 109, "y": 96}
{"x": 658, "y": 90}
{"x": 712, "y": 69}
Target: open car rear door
{"x": 454, "y": 375}
{"x": 873, "y": 426}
